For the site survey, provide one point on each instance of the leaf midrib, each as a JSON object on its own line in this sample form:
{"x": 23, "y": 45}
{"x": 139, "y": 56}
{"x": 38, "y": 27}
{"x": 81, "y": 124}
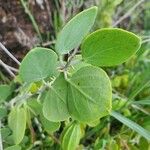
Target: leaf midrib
{"x": 55, "y": 91}
{"x": 81, "y": 91}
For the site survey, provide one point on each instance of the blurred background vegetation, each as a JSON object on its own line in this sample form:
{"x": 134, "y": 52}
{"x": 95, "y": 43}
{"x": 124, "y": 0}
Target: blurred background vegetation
{"x": 25, "y": 24}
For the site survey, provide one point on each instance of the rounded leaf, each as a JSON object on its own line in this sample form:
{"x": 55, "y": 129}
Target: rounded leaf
{"x": 38, "y": 64}
{"x": 89, "y": 94}
{"x": 109, "y": 47}
{"x": 55, "y": 104}
{"x": 75, "y": 30}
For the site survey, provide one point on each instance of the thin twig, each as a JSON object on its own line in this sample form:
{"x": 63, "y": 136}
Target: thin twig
{"x": 145, "y": 36}
{"x": 29, "y": 123}
{"x": 35, "y": 25}
{"x": 63, "y": 10}
{"x": 48, "y": 11}
{"x": 8, "y": 53}
{"x": 48, "y": 43}
{"x": 23, "y": 38}
{"x": 12, "y": 68}
{"x": 19, "y": 98}
{"x": 38, "y": 124}
{"x": 23, "y": 97}
{"x": 6, "y": 68}
{"x": 141, "y": 109}
{"x": 1, "y": 143}
{"x": 128, "y": 13}
{"x": 145, "y": 41}
{"x": 55, "y": 139}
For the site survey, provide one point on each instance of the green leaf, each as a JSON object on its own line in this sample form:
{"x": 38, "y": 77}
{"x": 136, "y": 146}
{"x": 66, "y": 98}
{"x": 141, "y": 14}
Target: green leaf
{"x": 10, "y": 140}
{"x": 38, "y": 64}
{"x": 144, "y": 144}
{"x": 35, "y": 106}
{"x": 17, "y": 123}
{"x": 134, "y": 126}
{"x": 89, "y": 94}
{"x": 5, "y": 91}
{"x": 54, "y": 106}
{"x": 49, "y": 126}
{"x": 75, "y": 30}
{"x": 5, "y": 132}
{"x": 109, "y": 47}
{"x": 15, "y": 147}
{"x": 71, "y": 136}
{"x": 3, "y": 112}
{"x": 140, "y": 82}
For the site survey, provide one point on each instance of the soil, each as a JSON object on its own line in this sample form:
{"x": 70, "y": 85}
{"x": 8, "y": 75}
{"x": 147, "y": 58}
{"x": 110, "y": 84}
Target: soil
{"x": 16, "y": 29}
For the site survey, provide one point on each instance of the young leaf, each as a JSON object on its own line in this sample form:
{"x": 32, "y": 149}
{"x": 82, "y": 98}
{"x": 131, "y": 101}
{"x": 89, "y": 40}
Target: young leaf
{"x": 5, "y": 91}
{"x": 75, "y": 30}
{"x": 89, "y": 94}
{"x": 134, "y": 126}
{"x": 54, "y": 106}
{"x": 109, "y": 47}
{"x": 17, "y": 123}
{"x": 71, "y": 136}
{"x": 48, "y": 125}
{"x": 38, "y": 64}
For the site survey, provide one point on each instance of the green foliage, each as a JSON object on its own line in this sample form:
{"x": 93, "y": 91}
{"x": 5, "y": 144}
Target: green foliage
{"x": 147, "y": 16}
{"x": 17, "y": 123}
{"x": 75, "y": 30}
{"x": 35, "y": 106}
{"x": 89, "y": 86}
{"x": 106, "y": 12}
{"x": 65, "y": 102}
{"x": 108, "y": 47}
{"x": 5, "y": 91}
{"x": 5, "y": 132}
{"x": 3, "y": 112}
{"x": 55, "y": 105}
{"x": 89, "y": 94}
{"x": 35, "y": 68}
{"x": 71, "y": 136}
{"x": 132, "y": 125}
{"x": 49, "y": 126}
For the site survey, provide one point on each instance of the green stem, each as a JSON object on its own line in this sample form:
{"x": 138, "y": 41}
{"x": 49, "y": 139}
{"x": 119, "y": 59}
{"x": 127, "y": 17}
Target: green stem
{"x": 35, "y": 25}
